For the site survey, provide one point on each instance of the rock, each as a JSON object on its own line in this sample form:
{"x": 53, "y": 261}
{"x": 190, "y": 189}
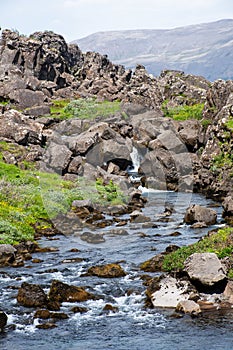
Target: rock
{"x": 43, "y": 314}
{"x": 63, "y": 292}
{"x": 37, "y": 111}
{"x": 26, "y": 98}
{"x": 3, "y": 320}
{"x": 93, "y": 238}
{"x": 59, "y": 315}
{"x": 205, "y": 270}
{"x": 117, "y": 232}
{"x": 7, "y": 254}
{"x": 228, "y": 292}
{"x": 189, "y": 132}
{"x": 227, "y": 206}
{"x": 108, "y": 308}
{"x": 154, "y": 264}
{"x": 83, "y": 203}
{"x": 188, "y": 307}
{"x": 79, "y": 309}
{"x": 20, "y": 128}
{"x": 57, "y": 157}
{"x": 31, "y": 295}
{"x": 171, "y": 141}
{"x": 197, "y": 213}
{"x": 107, "y": 271}
{"x": 138, "y": 217}
{"x": 47, "y": 325}
{"x": 76, "y": 166}
{"x": 171, "y": 292}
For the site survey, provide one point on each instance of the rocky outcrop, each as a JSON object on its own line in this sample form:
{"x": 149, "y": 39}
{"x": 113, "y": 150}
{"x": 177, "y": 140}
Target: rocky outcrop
{"x": 16, "y": 127}
{"x": 180, "y": 88}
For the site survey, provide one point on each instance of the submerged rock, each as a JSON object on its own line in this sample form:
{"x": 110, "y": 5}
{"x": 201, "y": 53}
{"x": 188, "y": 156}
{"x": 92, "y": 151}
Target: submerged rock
{"x": 63, "y": 292}
{"x": 3, "y": 320}
{"x": 31, "y": 295}
{"x": 107, "y": 271}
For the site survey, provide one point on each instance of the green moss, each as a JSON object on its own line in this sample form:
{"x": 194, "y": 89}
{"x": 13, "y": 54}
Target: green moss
{"x": 220, "y": 243}
{"x": 82, "y": 108}
{"x": 183, "y": 112}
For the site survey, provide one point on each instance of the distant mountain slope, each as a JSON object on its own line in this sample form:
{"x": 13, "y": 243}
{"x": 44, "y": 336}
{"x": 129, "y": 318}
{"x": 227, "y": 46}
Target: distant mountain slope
{"x": 205, "y": 49}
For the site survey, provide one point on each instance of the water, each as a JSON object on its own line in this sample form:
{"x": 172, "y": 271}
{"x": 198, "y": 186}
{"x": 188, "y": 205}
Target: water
{"x": 132, "y": 326}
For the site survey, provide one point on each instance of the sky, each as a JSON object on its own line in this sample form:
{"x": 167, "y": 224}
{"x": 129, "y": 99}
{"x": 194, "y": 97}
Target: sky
{"x": 75, "y": 19}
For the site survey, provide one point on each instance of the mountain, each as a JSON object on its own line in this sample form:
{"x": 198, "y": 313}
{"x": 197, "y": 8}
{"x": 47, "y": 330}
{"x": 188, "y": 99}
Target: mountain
{"x": 204, "y": 49}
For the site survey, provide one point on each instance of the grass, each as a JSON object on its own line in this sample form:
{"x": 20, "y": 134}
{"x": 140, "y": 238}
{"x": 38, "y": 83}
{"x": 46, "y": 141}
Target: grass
{"x": 30, "y": 199}
{"x": 229, "y": 124}
{"x": 220, "y": 243}
{"x": 183, "y": 112}
{"x": 81, "y": 108}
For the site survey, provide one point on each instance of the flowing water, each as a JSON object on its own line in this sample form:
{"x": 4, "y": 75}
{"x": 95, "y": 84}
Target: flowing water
{"x": 132, "y": 326}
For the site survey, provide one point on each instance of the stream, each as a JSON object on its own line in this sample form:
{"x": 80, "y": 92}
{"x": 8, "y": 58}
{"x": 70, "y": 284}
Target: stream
{"x": 132, "y": 326}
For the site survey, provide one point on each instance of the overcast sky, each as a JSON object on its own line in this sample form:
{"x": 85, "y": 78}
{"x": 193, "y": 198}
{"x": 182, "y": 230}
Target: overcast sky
{"x": 75, "y": 19}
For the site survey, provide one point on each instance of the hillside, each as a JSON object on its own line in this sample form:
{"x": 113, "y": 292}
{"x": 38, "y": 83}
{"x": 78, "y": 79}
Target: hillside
{"x": 204, "y": 49}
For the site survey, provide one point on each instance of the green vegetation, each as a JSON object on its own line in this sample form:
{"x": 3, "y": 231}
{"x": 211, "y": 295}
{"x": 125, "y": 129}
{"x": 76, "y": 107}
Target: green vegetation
{"x": 81, "y": 108}
{"x": 183, "y": 112}
{"x": 222, "y": 159}
{"x": 229, "y": 124}
{"x": 109, "y": 192}
{"x": 220, "y": 243}
{"x": 30, "y": 199}
{"x": 4, "y": 102}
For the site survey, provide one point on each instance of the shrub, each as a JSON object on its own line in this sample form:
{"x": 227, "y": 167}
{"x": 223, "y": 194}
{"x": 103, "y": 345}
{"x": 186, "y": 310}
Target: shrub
{"x": 82, "y": 108}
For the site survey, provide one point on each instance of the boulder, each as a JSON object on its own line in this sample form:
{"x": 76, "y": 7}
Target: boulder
{"x": 205, "y": 270}
{"x": 62, "y": 292}
{"x": 188, "y": 307}
{"x": 107, "y": 271}
{"x": 57, "y": 157}
{"x": 189, "y": 132}
{"x": 228, "y": 206}
{"x": 170, "y": 292}
{"x": 7, "y": 254}
{"x": 31, "y": 295}
{"x": 196, "y": 213}
{"x": 76, "y": 165}
{"x": 26, "y": 98}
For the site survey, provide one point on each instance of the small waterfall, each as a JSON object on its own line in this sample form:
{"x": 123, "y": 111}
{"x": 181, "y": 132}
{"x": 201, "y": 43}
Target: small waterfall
{"x": 136, "y": 160}
{"x": 133, "y": 170}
